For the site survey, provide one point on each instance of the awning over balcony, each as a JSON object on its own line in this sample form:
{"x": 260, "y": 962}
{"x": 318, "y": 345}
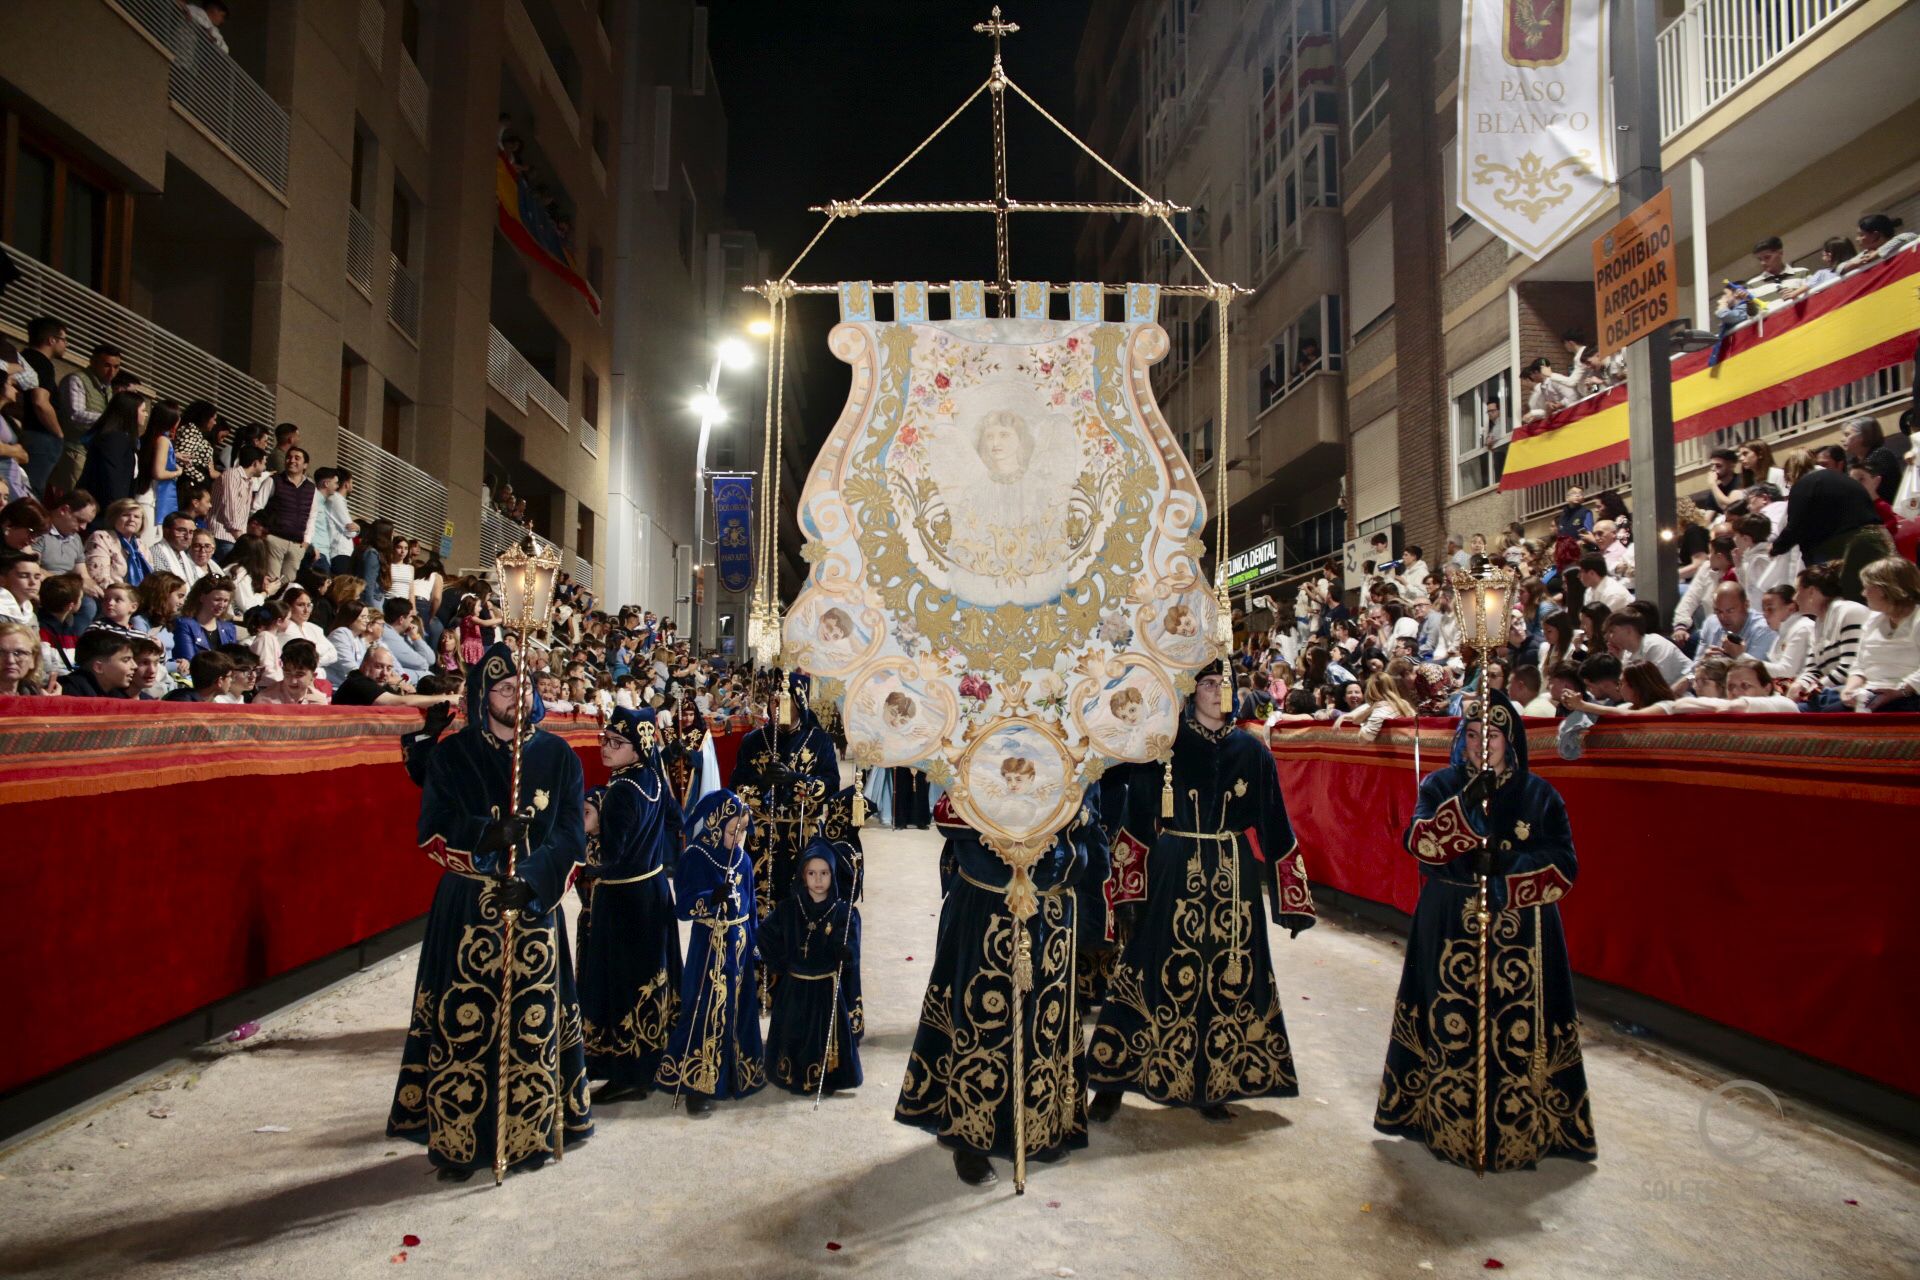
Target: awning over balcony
{"x": 1842, "y": 333}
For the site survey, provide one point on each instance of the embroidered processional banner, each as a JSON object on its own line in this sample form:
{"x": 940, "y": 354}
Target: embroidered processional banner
{"x": 1003, "y": 534}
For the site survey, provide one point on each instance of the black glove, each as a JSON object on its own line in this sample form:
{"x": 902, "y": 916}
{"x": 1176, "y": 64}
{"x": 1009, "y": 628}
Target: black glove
{"x": 502, "y": 834}
{"x": 1478, "y": 788}
{"x": 720, "y": 902}
{"x": 512, "y": 893}
{"x": 1126, "y": 919}
{"x": 439, "y": 716}
{"x": 846, "y": 954}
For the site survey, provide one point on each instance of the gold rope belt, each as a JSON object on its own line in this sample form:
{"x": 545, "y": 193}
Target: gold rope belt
{"x": 1054, "y": 892}
{"x": 1218, "y": 837}
{"x": 721, "y": 924}
{"x": 629, "y": 879}
{"x": 810, "y": 977}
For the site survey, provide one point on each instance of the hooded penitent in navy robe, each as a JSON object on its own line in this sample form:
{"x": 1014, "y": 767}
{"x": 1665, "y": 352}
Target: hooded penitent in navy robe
{"x": 1099, "y": 946}
{"x": 1192, "y": 1017}
{"x": 810, "y": 944}
{"x": 1536, "y": 1104}
{"x": 958, "y": 1083}
{"x": 784, "y": 775}
{"x": 449, "y": 1069}
{"x": 628, "y": 943}
{"x": 715, "y": 1046}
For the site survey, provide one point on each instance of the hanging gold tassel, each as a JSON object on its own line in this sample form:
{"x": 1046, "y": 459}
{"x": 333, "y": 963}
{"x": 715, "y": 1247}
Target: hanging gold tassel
{"x": 786, "y": 708}
{"x": 1166, "y": 787}
{"x": 859, "y": 800}
{"x": 1226, "y": 693}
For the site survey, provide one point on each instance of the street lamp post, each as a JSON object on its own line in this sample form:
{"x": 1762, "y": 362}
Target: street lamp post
{"x": 730, "y": 353}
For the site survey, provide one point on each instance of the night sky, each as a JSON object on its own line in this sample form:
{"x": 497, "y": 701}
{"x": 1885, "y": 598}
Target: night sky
{"x": 824, "y": 96}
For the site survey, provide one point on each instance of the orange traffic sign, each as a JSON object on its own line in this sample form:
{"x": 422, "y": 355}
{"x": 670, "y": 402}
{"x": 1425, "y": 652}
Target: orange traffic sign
{"x": 1636, "y": 276}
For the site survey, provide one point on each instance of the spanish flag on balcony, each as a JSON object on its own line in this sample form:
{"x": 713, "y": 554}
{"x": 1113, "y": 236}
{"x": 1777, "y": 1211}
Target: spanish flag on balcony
{"x": 1854, "y": 327}
{"x": 531, "y": 229}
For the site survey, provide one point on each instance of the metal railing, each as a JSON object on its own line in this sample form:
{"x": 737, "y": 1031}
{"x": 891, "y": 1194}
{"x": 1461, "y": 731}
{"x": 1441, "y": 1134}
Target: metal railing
{"x": 360, "y": 251}
{"x": 589, "y": 433}
{"x": 510, "y": 373}
{"x": 1875, "y": 393}
{"x": 387, "y": 485}
{"x": 403, "y": 298}
{"x": 373, "y": 30}
{"x": 212, "y": 88}
{"x": 1716, "y": 46}
{"x": 497, "y": 533}
{"x": 579, "y": 570}
{"x": 413, "y": 95}
{"x": 164, "y": 360}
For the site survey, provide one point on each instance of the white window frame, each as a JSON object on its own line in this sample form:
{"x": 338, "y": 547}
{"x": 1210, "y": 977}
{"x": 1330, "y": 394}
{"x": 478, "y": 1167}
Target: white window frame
{"x": 1363, "y": 77}
{"x": 1468, "y": 391}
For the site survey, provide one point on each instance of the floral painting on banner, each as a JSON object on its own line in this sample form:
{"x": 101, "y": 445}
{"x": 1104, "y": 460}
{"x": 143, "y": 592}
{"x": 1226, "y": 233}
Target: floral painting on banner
{"x": 1003, "y": 538}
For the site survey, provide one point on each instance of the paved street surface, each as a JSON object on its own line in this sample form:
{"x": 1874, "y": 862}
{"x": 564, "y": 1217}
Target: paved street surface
{"x": 193, "y": 1175}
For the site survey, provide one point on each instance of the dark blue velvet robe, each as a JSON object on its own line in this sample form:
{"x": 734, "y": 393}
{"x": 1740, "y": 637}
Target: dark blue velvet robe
{"x": 1192, "y": 1016}
{"x": 715, "y": 1047}
{"x": 628, "y": 943}
{"x": 786, "y": 777}
{"x": 801, "y": 942}
{"x": 958, "y": 1083}
{"x": 1537, "y": 1104}
{"x": 449, "y": 1068}
{"x": 1098, "y": 950}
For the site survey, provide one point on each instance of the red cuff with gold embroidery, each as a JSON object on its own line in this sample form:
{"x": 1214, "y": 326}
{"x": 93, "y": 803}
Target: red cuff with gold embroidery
{"x": 1296, "y": 896}
{"x": 1536, "y": 888}
{"x": 1443, "y": 837}
{"x": 450, "y": 858}
{"x": 1127, "y": 881}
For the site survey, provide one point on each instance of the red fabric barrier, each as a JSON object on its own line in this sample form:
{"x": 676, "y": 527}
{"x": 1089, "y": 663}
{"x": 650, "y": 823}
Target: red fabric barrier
{"x": 1758, "y": 871}
{"x": 136, "y": 907}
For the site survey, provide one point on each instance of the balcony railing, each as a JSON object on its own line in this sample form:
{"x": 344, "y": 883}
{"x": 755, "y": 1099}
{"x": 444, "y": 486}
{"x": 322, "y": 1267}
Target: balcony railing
{"x": 211, "y": 88}
{"x": 385, "y": 484}
{"x": 510, "y": 373}
{"x": 360, "y": 251}
{"x": 413, "y": 95}
{"x": 588, "y": 433}
{"x": 580, "y": 571}
{"x": 373, "y": 30}
{"x": 165, "y": 361}
{"x": 1716, "y": 46}
{"x": 497, "y": 533}
{"x": 403, "y": 299}
{"x": 1783, "y": 429}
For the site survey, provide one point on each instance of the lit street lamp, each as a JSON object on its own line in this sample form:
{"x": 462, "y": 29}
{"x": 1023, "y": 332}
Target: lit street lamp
{"x": 730, "y": 353}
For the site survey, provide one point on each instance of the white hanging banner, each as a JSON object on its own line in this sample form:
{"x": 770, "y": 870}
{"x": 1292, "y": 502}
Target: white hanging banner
{"x": 1536, "y": 118}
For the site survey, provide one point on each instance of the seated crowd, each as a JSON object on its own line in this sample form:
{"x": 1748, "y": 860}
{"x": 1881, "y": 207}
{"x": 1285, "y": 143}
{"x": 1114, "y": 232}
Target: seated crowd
{"x": 1793, "y": 598}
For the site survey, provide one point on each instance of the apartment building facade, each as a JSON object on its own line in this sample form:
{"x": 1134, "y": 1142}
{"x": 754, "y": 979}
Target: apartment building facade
{"x": 306, "y": 229}
{"x": 1315, "y": 139}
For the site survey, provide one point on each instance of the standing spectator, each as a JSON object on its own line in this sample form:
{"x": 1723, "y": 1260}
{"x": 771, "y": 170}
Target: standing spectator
{"x": 41, "y": 432}
{"x": 1776, "y": 274}
{"x": 1835, "y": 251}
{"x": 332, "y": 529}
{"x": 209, "y": 16}
{"x": 402, "y": 638}
{"x": 1886, "y": 672}
{"x": 1413, "y": 572}
{"x": 1830, "y": 516}
{"x": 81, "y": 401}
{"x": 239, "y": 486}
{"x": 19, "y": 661}
{"x": 1879, "y": 239}
{"x": 400, "y": 567}
{"x": 203, "y": 623}
{"x": 375, "y": 567}
{"x": 20, "y": 578}
{"x": 286, "y": 438}
{"x": 341, "y": 526}
{"x": 103, "y": 666}
{"x": 292, "y": 507}
{"x": 110, "y": 453}
{"x": 1548, "y": 392}
{"x": 158, "y": 481}
{"x": 1755, "y": 567}
{"x": 193, "y": 443}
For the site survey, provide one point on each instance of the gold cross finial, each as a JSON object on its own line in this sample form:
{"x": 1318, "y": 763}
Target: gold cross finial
{"x": 996, "y": 28}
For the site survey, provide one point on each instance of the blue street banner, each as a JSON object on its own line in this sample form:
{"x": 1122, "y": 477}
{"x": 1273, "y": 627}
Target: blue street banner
{"x": 733, "y": 531}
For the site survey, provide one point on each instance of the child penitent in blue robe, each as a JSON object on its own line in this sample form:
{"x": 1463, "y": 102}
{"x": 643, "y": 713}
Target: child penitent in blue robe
{"x": 812, "y": 940}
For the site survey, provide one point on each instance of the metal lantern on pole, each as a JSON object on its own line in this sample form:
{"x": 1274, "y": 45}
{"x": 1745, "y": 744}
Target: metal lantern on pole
{"x": 527, "y": 576}
{"x": 1482, "y": 598}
